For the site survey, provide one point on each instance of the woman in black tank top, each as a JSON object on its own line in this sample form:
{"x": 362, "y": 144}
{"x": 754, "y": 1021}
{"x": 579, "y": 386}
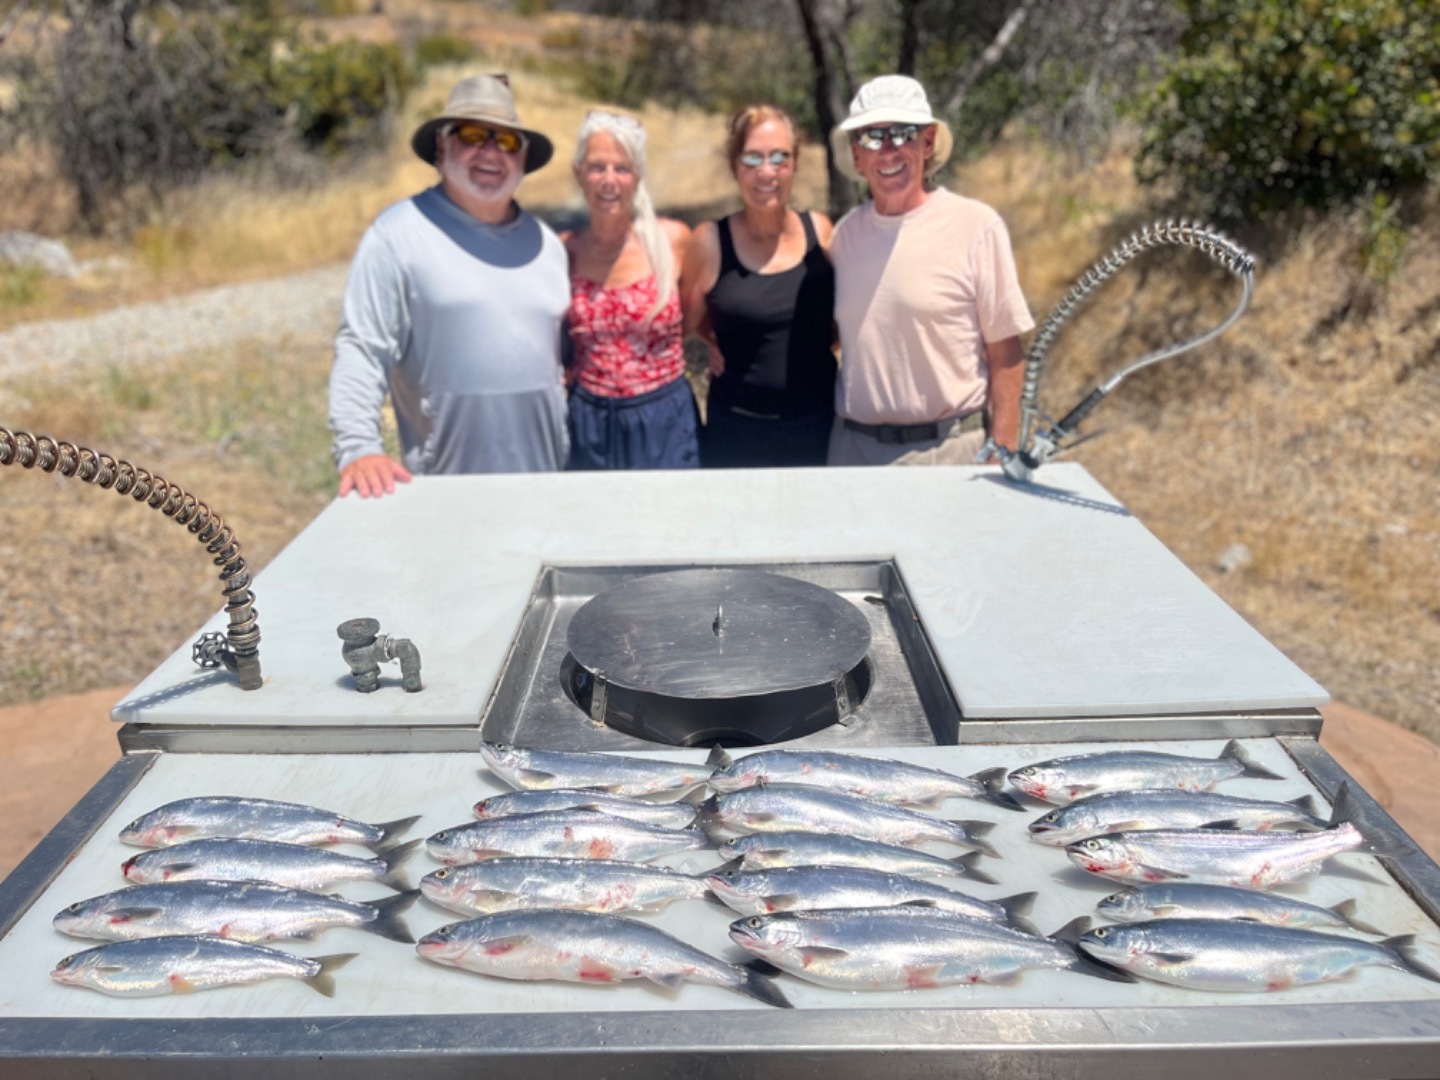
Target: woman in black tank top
{"x": 759, "y": 289}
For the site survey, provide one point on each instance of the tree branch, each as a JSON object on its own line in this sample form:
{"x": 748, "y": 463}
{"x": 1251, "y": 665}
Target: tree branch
{"x": 992, "y": 55}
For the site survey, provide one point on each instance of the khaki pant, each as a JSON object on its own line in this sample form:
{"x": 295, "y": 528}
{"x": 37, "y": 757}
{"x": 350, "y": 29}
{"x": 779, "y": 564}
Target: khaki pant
{"x": 854, "y": 448}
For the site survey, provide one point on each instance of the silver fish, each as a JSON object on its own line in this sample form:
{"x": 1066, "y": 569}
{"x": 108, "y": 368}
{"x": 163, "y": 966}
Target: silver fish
{"x": 224, "y": 859}
{"x": 875, "y": 778}
{"x": 667, "y": 815}
{"x": 1062, "y": 780}
{"x": 615, "y": 773}
{"x": 526, "y": 883}
{"x": 1169, "y": 808}
{"x": 762, "y": 851}
{"x": 1207, "y": 954}
{"x": 1181, "y": 900}
{"x": 583, "y": 947}
{"x": 1249, "y": 860}
{"x": 155, "y": 967}
{"x": 256, "y": 819}
{"x": 250, "y": 911}
{"x": 786, "y": 807}
{"x": 577, "y": 834}
{"x": 906, "y": 948}
{"x": 812, "y": 888}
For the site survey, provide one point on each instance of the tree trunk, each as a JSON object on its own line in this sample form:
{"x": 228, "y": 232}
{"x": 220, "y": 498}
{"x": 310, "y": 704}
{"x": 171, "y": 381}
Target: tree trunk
{"x": 825, "y": 35}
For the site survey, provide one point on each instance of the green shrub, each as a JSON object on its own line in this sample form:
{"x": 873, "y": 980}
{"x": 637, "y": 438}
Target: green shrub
{"x": 437, "y": 50}
{"x": 335, "y": 92}
{"x": 1275, "y": 104}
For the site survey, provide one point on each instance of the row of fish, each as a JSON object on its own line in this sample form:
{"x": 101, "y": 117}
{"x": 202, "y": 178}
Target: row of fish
{"x": 790, "y": 809}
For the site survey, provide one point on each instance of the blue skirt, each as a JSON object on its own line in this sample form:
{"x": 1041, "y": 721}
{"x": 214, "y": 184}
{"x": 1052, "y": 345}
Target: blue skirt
{"x": 650, "y": 431}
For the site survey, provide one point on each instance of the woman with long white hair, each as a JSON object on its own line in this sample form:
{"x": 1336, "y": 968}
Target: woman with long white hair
{"x": 630, "y": 404}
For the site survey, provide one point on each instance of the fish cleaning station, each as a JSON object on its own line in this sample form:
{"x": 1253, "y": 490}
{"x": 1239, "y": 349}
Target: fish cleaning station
{"x": 962, "y": 619}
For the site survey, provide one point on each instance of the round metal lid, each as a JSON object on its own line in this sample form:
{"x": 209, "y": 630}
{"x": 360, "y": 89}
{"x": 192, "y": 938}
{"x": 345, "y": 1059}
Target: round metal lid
{"x": 718, "y": 634}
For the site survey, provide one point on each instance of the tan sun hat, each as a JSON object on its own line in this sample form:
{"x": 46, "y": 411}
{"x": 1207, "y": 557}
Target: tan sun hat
{"x": 486, "y": 98}
{"x": 889, "y": 99}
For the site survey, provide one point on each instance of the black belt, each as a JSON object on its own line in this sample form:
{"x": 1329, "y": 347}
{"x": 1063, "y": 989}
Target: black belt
{"x": 908, "y": 433}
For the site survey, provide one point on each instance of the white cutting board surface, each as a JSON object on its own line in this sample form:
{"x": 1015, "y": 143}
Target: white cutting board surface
{"x": 388, "y": 978}
{"x": 1046, "y": 600}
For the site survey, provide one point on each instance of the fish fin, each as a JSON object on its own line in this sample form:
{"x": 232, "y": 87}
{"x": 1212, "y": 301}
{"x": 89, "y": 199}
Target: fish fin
{"x": 992, "y": 781}
{"x": 390, "y": 832}
{"x": 822, "y": 952}
{"x": 930, "y": 802}
{"x": 323, "y": 981}
{"x": 694, "y": 797}
{"x": 179, "y": 984}
{"x": 670, "y": 980}
{"x": 1401, "y": 949}
{"x": 534, "y": 777}
{"x": 762, "y": 967}
{"x": 1163, "y": 910}
{"x": 1083, "y": 963}
{"x": 1007, "y": 978}
{"x": 1170, "y": 959}
{"x": 1379, "y": 841}
{"x": 135, "y": 914}
{"x": 761, "y": 988}
{"x": 1228, "y": 825}
{"x": 1017, "y": 906}
{"x": 1159, "y": 873}
{"x": 1306, "y": 803}
{"x": 719, "y": 759}
{"x": 388, "y": 922}
{"x": 715, "y": 831}
{"x": 1023, "y": 925}
{"x": 1248, "y": 766}
{"x": 920, "y": 902}
{"x": 179, "y": 867}
{"x": 1071, "y": 931}
{"x": 394, "y": 876}
{"x": 761, "y": 818}
{"x": 967, "y": 863}
{"x": 782, "y": 901}
{"x": 1346, "y": 910}
{"x": 710, "y": 898}
{"x": 975, "y": 832}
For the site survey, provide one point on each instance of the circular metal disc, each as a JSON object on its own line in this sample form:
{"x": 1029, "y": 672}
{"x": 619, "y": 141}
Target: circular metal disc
{"x": 659, "y": 633}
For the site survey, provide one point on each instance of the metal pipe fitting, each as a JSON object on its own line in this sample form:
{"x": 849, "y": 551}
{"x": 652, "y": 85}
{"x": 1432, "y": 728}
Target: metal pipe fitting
{"x": 365, "y": 649}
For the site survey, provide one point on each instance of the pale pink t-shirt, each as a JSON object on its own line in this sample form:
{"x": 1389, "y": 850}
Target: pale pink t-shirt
{"x": 917, "y": 295}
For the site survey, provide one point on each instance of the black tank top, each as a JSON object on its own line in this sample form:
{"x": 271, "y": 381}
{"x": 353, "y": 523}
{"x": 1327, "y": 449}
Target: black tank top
{"x": 774, "y": 331}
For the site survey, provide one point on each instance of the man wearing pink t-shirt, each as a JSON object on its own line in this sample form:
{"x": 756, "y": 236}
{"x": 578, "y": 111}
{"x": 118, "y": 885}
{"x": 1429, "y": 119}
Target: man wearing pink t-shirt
{"x": 927, "y": 298}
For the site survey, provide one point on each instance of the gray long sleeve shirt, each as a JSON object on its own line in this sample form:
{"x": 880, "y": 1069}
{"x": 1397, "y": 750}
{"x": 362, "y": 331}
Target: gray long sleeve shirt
{"x": 461, "y": 322}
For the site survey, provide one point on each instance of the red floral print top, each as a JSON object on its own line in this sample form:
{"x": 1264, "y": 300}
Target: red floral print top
{"x": 616, "y": 353}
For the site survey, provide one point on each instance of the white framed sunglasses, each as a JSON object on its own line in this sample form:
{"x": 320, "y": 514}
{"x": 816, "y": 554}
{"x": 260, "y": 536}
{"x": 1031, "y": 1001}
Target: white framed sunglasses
{"x": 875, "y": 138}
{"x": 753, "y": 159}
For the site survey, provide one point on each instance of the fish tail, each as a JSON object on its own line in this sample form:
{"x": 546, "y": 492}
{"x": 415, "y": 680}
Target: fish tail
{"x": 323, "y": 981}
{"x": 394, "y": 876}
{"x": 1081, "y": 962}
{"x": 1382, "y": 842}
{"x": 694, "y": 797}
{"x": 971, "y": 835}
{"x": 1401, "y": 949}
{"x": 390, "y": 832}
{"x": 1235, "y": 752}
{"x": 967, "y": 863}
{"x": 388, "y": 921}
{"x": 992, "y": 785}
{"x": 1016, "y": 908}
{"x": 718, "y": 758}
{"x": 1346, "y": 910}
{"x": 760, "y": 987}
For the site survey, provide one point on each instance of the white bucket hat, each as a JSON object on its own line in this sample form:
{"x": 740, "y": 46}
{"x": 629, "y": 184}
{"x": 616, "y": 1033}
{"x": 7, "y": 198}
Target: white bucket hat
{"x": 889, "y": 99}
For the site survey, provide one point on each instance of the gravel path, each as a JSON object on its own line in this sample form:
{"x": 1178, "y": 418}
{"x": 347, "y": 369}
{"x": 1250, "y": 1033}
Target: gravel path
{"x": 305, "y": 304}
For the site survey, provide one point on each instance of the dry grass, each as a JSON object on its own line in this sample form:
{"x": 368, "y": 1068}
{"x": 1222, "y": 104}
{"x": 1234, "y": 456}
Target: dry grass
{"x": 1305, "y": 433}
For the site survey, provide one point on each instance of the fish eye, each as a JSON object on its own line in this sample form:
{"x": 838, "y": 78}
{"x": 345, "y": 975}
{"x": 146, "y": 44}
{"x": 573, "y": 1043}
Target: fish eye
{"x": 67, "y": 961}
{"x": 1093, "y": 845}
{"x": 77, "y": 906}
{"x": 1054, "y": 815}
{"x": 754, "y": 922}
{"x": 1113, "y": 898}
{"x": 442, "y": 835}
{"x": 1103, "y": 932}
{"x": 503, "y": 747}
{"x": 442, "y": 873}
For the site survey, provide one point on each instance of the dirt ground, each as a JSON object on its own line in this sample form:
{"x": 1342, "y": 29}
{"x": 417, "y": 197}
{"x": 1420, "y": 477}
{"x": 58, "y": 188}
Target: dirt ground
{"x": 56, "y": 749}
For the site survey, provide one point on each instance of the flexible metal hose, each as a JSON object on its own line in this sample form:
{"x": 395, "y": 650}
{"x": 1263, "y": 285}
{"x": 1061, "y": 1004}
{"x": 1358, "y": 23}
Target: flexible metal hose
{"x": 53, "y": 456}
{"x": 1220, "y": 248}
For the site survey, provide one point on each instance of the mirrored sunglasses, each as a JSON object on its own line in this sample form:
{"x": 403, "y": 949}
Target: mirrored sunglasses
{"x": 753, "y": 159}
{"x": 896, "y": 135}
{"x": 506, "y": 141}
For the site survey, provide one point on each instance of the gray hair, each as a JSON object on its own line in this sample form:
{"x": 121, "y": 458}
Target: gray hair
{"x": 628, "y": 132}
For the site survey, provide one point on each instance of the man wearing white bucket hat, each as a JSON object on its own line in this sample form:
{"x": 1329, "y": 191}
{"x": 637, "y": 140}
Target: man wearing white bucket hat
{"x": 927, "y": 297}
{"x": 455, "y": 306}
